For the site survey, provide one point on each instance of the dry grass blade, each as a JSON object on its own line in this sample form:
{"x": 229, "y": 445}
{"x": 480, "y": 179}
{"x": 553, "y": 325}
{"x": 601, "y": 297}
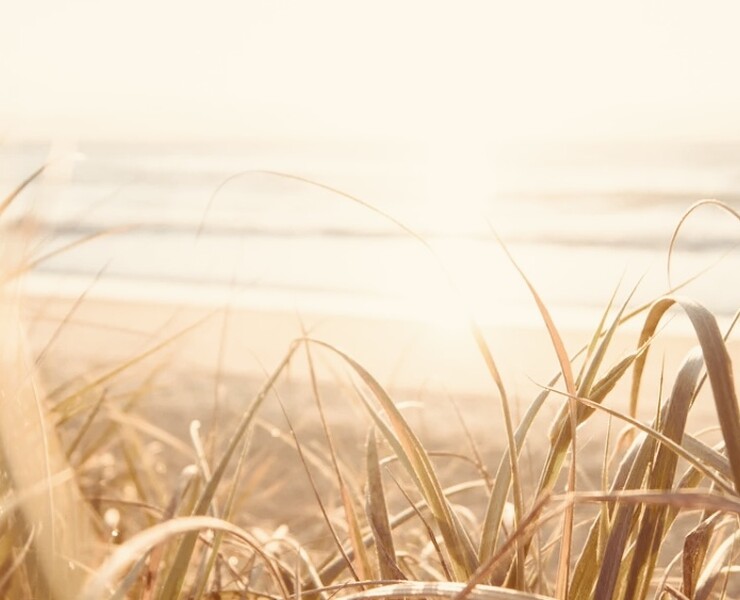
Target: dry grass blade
{"x": 594, "y": 360}
{"x": 363, "y": 570}
{"x": 456, "y": 538}
{"x": 674, "y": 237}
{"x": 651, "y": 527}
{"x": 523, "y": 532}
{"x": 10, "y": 198}
{"x": 706, "y": 455}
{"x": 228, "y": 514}
{"x": 496, "y": 505}
{"x": 561, "y": 443}
{"x": 14, "y": 500}
{"x": 480, "y": 340}
{"x": 331, "y": 569}
{"x": 599, "y": 332}
{"x": 599, "y": 392}
{"x": 631, "y": 475}
{"x": 17, "y": 561}
{"x": 181, "y": 499}
{"x": 502, "y": 480}
{"x": 719, "y": 370}
{"x": 695, "y": 549}
{"x": 710, "y": 575}
{"x": 31, "y": 455}
{"x": 657, "y": 436}
{"x": 315, "y": 184}
{"x": 679, "y": 500}
{"x": 377, "y": 512}
{"x": 71, "y": 405}
{"x": 119, "y": 418}
{"x": 476, "y": 458}
{"x": 33, "y": 263}
{"x": 178, "y": 571}
{"x": 684, "y": 500}
{"x": 335, "y": 536}
{"x": 102, "y": 583}
{"x": 89, "y": 418}
{"x": 586, "y": 384}
{"x": 567, "y": 371}
{"x": 443, "y": 590}
{"x": 446, "y": 574}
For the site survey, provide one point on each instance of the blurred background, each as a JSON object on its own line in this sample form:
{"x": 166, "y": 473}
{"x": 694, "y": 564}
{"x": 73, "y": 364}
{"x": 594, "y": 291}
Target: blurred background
{"x": 205, "y": 141}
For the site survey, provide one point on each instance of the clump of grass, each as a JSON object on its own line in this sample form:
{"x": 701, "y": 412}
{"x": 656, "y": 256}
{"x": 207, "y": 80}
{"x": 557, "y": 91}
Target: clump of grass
{"x": 93, "y": 515}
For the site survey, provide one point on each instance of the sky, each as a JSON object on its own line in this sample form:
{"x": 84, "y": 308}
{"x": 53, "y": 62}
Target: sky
{"x": 414, "y": 70}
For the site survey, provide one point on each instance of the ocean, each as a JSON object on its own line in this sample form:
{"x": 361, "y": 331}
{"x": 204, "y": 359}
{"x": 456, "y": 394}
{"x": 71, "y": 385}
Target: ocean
{"x": 270, "y": 226}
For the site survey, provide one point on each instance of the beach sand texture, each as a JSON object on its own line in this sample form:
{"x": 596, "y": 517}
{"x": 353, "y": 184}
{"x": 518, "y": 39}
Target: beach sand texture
{"x": 225, "y": 359}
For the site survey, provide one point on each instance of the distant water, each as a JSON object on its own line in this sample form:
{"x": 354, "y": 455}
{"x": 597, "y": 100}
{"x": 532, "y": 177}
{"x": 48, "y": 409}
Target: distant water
{"x": 207, "y": 224}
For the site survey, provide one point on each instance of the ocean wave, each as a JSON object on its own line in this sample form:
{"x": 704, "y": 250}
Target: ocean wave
{"x": 703, "y": 241}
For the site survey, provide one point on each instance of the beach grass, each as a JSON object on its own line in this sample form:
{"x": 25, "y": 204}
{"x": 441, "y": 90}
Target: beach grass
{"x": 98, "y": 502}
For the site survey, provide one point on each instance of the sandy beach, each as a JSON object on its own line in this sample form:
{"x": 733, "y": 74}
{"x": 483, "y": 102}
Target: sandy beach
{"x": 415, "y": 361}
{"x": 272, "y": 304}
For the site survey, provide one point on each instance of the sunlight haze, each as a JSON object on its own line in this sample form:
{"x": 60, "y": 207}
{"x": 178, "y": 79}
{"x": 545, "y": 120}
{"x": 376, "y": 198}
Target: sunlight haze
{"x": 492, "y": 71}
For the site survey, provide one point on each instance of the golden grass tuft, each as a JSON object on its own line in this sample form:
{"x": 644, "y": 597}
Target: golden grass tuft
{"x": 87, "y": 513}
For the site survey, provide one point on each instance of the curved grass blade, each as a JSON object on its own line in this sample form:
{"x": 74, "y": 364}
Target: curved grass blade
{"x": 177, "y": 573}
{"x": 31, "y": 458}
{"x": 456, "y": 538}
{"x": 651, "y": 527}
{"x": 72, "y": 404}
{"x": 377, "y": 512}
{"x": 445, "y": 589}
{"x": 691, "y": 209}
{"x": 362, "y": 562}
{"x": 495, "y": 511}
{"x": 566, "y": 368}
{"x": 10, "y": 198}
{"x": 710, "y": 575}
{"x": 317, "y": 496}
{"x": 102, "y": 582}
{"x": 475, "y": 329}
{"x": 35, "y": 262}
{"x": 330, "y": 570}
{"x": 594, "y": 359}
{"x": 695, "y": 547}
{"x": 719, "y": 370}
{"x": 621, "y": 522}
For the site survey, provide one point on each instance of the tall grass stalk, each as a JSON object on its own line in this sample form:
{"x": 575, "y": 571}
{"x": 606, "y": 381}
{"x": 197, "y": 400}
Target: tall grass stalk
{"x": 385, "y": 523}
